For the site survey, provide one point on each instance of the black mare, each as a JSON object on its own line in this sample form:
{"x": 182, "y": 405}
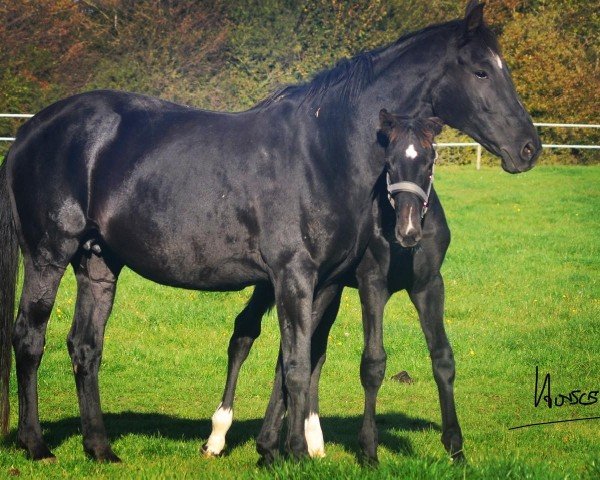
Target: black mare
{"x": 387, "y": 266}
{"x": 281, "y": 193}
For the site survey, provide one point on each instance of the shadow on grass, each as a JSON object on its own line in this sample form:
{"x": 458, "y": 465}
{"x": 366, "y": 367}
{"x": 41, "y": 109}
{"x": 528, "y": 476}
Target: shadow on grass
{"x": 340, "y": 430}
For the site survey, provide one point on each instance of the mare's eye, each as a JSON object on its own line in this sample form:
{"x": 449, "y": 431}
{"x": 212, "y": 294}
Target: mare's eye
{"x": 481, "y": 74}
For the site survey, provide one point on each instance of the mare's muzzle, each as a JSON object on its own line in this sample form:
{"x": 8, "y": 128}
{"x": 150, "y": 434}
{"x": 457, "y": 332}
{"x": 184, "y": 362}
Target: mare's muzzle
{"x": 523, "y": 159}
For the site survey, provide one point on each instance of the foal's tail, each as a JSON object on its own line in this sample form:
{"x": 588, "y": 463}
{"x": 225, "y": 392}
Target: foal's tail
{"x": 9, "y": 264}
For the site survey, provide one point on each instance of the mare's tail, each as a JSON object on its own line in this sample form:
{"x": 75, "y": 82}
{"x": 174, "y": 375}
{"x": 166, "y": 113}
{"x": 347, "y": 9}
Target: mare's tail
{"x": 9, "y": 264}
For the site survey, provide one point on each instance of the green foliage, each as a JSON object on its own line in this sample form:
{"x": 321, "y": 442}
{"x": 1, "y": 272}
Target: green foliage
{"x": 522, "y": 290}
{"x": 229, "y": 55}
{"x": 166, "y": 51}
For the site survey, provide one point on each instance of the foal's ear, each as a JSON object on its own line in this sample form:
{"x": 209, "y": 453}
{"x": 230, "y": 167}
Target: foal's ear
{"x": 387, "y": 122}
{"x": 474, "y": 15}
{"x": 434, "y": 125}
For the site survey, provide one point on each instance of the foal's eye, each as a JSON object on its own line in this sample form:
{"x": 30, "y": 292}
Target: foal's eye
{"x": 481, "y": 74}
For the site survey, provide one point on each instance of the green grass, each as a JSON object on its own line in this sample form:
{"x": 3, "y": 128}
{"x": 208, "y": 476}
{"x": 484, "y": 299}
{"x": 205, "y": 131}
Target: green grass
{"x": 522, "y": 290}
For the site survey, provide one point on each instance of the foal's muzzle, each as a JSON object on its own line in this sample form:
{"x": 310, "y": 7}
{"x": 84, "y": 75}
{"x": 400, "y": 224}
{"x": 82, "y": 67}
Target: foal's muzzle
{"x": 408, "y": 230}
{"x": 408, "y": 225}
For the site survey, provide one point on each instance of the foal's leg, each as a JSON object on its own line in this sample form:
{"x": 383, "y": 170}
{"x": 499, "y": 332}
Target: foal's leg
{"x": 374, "y": 295}
{"x": 40, "y": 285}
{"x": 428, "y": 298}
{"x": 327, "y": 301}
{"x": 312, "y": 425}
{"x": 246, "y": 330}
{"x": 96, "y": 284}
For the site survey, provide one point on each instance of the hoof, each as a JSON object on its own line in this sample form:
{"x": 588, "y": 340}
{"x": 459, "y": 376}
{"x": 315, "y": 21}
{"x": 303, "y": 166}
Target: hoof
{"x": 368, "y": 448}
{"x": 453, "y": 443}
{"x": 296, "y": 448}
{"x": 313, "y": 436}
{"x": 458, "y": 458}
{"x": 42, "y": 455}
{"x": 369, "y": 462}
{"x": 208, "y": 453}
{"x": 266, "y": 460}
{"x": 268, "y": 456}
{"x": 109, "y": 457}
{"x": 104, "y": 455}
{"x": 39, "y": 452}
{"x": 268, "y": 449}
{"x": 317, "y": 454}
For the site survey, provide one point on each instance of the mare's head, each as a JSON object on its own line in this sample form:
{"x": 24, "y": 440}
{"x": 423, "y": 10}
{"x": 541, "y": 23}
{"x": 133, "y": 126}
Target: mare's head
{"x": 476, "y": 95}
{"x": 409, "y": 161}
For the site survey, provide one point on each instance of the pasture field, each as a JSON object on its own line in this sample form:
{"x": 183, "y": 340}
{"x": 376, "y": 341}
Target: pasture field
{"x": 521, "y": 291}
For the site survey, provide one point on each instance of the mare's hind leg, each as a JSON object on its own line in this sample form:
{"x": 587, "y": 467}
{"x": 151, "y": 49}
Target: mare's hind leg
{"x": 40, "y": 285}
{"x": 429, "y": 301}
{"x": 96, "y": 284}
{"x": 246, "y": 330}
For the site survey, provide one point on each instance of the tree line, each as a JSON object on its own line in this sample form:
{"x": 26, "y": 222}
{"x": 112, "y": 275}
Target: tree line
{"x": 227, "y": 55}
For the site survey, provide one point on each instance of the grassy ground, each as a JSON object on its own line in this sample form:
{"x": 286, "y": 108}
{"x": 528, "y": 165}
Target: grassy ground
{"x": 522, "y": 290}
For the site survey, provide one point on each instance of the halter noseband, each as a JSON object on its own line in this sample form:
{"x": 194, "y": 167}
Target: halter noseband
{"x": 411, "y": 187}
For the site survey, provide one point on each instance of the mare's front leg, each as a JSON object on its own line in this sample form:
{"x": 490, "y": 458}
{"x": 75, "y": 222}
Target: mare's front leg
{"x": 246, "y": 330}
{"x": 325, "y": 306}
{"x": 374, "y": 294}
{"x": 96, "y": 284}
{"x": 294, "y": 289}
{"x": 428, "y": 298}
{"x": 329, "y": 302}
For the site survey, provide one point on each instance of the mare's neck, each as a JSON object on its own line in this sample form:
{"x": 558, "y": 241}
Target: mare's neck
{"x": 405, "y": 75}
{"x": 403, "y": 79}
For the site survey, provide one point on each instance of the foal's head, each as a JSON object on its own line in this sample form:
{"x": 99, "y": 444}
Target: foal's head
{"x": 410, "y": 157}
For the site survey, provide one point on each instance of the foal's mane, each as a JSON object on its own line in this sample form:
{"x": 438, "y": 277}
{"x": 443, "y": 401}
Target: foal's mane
{"x": 349, "y": 77}
{"x": 418, "y": 126}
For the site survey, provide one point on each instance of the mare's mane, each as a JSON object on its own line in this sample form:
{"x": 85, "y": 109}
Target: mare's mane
{"x": 349, "y": 77}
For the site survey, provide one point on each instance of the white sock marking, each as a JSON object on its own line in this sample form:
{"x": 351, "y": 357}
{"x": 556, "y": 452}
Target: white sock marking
{"x": 314, "y": 436}
{"x": 411, "y": 152}
{"x": 221, "y": 421}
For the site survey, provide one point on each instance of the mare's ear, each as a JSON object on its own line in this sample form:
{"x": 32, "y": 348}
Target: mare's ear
{"x": 434, "y": 125}
{"x": 473, "y": 15}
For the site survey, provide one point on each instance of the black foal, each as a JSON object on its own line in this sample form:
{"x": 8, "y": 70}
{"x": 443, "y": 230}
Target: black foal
{"x": 387, "y": 267}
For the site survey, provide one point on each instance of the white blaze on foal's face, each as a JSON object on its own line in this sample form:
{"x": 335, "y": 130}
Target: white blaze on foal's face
{"x": 411, "y": 152}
